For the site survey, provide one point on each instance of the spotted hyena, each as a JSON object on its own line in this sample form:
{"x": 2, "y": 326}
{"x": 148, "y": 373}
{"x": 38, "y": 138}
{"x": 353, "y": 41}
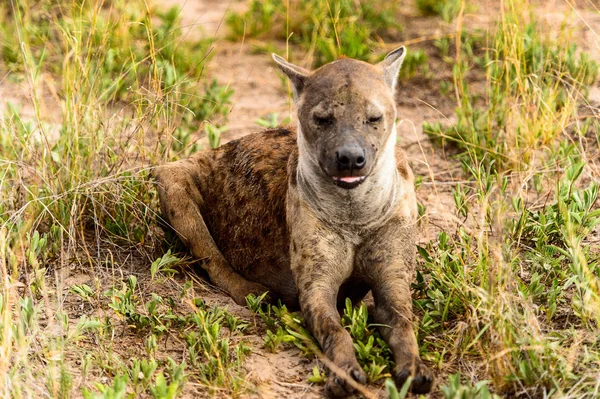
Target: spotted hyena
{"x": 315, "y": 214}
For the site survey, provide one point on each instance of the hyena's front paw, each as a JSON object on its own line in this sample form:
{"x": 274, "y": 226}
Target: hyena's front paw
{"x": 337, "y": 386}
{"x": 422, "y": 376}
{"x": 241, "y": 291}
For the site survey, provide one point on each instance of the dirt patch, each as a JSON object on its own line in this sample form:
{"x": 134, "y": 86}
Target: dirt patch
{"x": 281, "y": 374}
{"x": 44, "y": 117}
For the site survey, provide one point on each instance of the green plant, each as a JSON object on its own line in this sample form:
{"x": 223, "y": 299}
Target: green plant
{"x": 282, "y": 326}
{"x": 214, "y": 134}
{"x": 392, "y": 390}
{"x": 164, "y": 265}
{"x": 169, "y": 390}
{"x": 118, "y": 390}
{"x": 460, "y": 199}
{"x": 84, "y": 291}
{"x": 317, "y": 377}
{"x": 456, "y": 390}
{"x": 126, "y": 303}
{"x": 36, "y": 254}
{"x": 210, "y": 351}
{"x": 552, "y": 239}
{"x": 142, "y": 372}
{"x": 372, "y": 352}
{"x": 491, "y": 293}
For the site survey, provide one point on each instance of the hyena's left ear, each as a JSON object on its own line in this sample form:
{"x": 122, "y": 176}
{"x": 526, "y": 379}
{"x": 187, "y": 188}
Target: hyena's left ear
{"x": 297, "y": 75}
{"x": 391, "y": 66}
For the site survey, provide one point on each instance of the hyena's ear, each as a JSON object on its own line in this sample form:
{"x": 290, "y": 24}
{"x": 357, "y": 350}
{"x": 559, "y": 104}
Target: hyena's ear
{"x": 296, "y": 74}
{"x": 391, "y": 66}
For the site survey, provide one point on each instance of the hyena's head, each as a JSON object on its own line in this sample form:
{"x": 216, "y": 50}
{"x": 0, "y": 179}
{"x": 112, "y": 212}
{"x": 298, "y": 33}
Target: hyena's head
{"x": 346, "y": 114}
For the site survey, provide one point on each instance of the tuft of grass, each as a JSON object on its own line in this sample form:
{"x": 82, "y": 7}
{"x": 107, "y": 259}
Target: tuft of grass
{"x": 533, "y": 86}
{"x": 129, "y": 51}
{"x": 326, "y": 29}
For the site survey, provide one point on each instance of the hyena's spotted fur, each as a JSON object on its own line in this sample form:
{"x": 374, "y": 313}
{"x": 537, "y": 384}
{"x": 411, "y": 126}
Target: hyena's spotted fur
{"x": 313, "y": 215}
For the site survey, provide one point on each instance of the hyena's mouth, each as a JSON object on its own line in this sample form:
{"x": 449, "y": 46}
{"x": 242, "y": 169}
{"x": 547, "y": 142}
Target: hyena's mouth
{"x": 349, "y": 182}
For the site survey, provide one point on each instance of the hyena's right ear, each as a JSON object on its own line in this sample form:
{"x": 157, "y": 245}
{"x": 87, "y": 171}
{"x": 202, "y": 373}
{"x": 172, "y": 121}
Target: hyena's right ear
{"x": 296, "y": 74}
{"x": 391, "y": 66}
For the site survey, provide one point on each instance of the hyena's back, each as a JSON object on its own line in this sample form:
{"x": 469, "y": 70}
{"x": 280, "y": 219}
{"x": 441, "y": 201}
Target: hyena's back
{"x": 243, "y": 186}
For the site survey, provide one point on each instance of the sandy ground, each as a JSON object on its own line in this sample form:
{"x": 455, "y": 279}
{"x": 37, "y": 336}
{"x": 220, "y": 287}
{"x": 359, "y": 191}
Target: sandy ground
{"x": 259, "y": 91}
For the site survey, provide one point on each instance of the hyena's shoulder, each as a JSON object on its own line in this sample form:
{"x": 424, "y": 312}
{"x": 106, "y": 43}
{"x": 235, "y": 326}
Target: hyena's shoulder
{"x": 259, "y": 160}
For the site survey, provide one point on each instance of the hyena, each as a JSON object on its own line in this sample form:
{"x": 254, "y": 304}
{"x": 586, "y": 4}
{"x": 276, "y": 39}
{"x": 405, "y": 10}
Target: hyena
{"x": 315, "y": 214}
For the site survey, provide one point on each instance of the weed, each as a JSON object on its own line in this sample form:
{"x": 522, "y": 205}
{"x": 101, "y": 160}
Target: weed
{"x": 217, "y": 360}
{"x": 461, "y": 200}
{"x": 118, "y": 390}
{"x": 392, "y": 390}
{"x": 84, "y": 291}
{"x": 282, "y": 326}
{"x": 164, "y": 265}
{"x": 372, "y": 352}
{"x": 317, "y": 377}
{"x": 169, "y": 390}
{"x": 142, "y": 373}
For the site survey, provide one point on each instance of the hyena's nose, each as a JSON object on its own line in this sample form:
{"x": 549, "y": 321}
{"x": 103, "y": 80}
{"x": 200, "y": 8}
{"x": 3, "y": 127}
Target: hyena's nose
{"x": 350, "y": 157}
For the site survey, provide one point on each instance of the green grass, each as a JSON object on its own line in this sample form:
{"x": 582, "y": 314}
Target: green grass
{"x": 504, "y": 295}
{"x": 326, "y": 30}
{"x": 533, "y": 87}
{"x": 94, "y": 300}
{"x": 78, "y": 193}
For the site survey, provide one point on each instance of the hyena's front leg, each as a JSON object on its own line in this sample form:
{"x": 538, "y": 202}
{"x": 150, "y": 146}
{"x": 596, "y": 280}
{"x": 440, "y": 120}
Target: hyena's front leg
{"x": 321, "y": 260}
{"x": 387, "y": 261}
{"x": 180, "y": 200}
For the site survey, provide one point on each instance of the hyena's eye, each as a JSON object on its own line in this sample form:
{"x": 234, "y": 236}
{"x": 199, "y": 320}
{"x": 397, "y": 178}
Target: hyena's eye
{"x": 323, "y": 120}
{"x": 375, "y": 119}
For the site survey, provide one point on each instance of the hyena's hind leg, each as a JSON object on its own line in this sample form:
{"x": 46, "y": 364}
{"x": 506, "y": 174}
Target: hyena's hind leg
{"x": 180, "y": 201}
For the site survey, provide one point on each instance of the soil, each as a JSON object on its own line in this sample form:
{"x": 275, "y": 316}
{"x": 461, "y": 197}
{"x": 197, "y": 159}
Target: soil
{"x": 259, "y": 91}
